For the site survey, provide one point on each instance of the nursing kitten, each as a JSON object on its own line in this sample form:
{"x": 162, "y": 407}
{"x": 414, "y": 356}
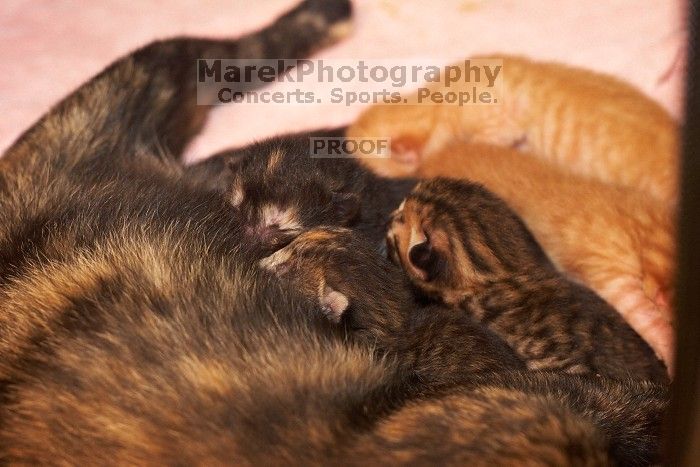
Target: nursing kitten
{"x": 589, "y": 163}
{"x": 441, "y": 350}
{"x": 463, "y": 245}
{"x": 280, "y": 188}
{"x": 619, "y": 242}
{"x": 372, "y": 299}
{"x": 586, "y": 122}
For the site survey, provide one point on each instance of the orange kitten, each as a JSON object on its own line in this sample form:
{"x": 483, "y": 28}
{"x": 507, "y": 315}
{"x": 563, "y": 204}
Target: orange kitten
{"x": 594, "y": 186}
{"x": 588, "y": 122}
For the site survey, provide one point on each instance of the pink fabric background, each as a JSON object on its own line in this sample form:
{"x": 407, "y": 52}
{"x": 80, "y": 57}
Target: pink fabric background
{"x": 48, "y": 47}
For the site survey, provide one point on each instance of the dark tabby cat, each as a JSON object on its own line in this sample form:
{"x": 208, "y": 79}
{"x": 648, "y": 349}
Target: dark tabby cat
{"x": 134, "y": 328}
{"x": 558, "y": 418}
{"x": 461, "y": 243}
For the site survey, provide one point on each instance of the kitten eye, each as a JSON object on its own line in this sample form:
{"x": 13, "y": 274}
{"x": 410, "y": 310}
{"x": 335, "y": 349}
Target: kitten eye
{"x": 346, "y": 207}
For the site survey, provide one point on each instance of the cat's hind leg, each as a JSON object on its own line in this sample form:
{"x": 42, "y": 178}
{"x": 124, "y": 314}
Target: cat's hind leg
{"x": 147, "y": 101}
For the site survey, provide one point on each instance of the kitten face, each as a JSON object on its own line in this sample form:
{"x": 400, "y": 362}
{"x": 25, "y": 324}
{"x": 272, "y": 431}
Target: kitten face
{"x": 339, "y": 270}
{"x": 453, "y": 237}
{"x": 280, "y": 191}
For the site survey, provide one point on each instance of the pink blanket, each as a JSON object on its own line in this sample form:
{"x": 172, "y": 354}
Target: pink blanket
{"x": 48, "y": 47}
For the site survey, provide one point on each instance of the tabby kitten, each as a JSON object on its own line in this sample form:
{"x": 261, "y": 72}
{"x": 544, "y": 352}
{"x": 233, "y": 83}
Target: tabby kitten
{"x": 472, "y": 379}
{"x": 462, "y": 244}
{"x": 588, "y": 162}
{"x": 617, "y": 241}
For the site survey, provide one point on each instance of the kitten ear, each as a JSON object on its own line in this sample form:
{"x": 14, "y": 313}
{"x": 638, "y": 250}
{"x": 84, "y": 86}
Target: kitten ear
{"x": 333, "y": 303}
{"x": 346, "y": 207}
{"x": 427, "y": 259}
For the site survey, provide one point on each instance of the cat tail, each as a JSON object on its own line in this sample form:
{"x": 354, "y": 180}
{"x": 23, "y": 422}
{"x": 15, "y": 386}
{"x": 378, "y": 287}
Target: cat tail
{"x": 628, "y": 414}
{"x": 147, "y": 101}
{"x": 484, "y": 427}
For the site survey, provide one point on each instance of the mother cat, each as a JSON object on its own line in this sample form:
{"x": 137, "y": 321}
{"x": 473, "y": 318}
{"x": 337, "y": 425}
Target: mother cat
{"x": 132, "y": 328}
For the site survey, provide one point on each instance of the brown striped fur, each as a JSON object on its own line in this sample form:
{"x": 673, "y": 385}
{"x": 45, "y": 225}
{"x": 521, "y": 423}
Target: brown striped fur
{"x": 618, "y": 241}
{"x": 461, "y": 243}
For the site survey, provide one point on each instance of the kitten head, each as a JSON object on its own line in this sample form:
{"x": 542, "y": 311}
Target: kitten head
{"x": 408, "y": 127}
{"x": 280, "y": 190}
{"x": 454, "y": 237}
{"x": 340, "y": 271}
